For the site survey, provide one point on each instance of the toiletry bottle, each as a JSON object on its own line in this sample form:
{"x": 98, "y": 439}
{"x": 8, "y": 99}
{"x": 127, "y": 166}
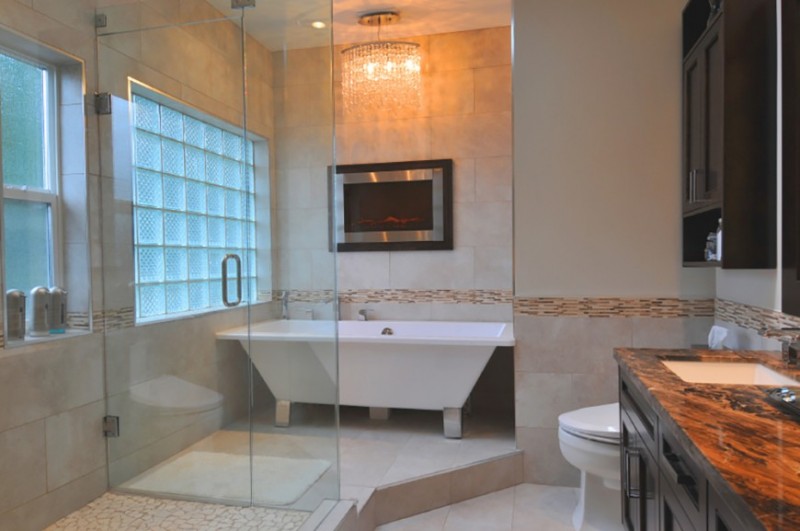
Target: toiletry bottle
{"x": 15, "y": 314}
{"x": 58, "y": 310}
{"x": 719, "y": 241}
{"x": 39, "y": 309}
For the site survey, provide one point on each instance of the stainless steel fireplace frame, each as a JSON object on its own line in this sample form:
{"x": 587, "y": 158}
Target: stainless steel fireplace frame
{"x": 440, "y": 237}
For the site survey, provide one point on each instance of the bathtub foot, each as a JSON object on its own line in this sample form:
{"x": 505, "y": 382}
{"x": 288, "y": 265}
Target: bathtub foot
{"x": 283, "y": 413}
{"x": 379, "y": 413}
{"x": 452, "y": 422}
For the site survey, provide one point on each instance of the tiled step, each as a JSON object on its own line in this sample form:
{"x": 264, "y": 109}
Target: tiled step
{"x": 414, "y": 496}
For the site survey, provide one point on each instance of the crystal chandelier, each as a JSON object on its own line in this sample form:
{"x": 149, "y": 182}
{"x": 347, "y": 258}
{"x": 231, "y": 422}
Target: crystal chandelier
{"x": 381, "y": 75}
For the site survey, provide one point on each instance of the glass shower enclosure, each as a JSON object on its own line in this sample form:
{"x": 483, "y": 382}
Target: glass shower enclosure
{"x": 204, "y": 113}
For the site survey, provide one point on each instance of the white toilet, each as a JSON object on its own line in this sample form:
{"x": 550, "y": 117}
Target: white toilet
{"x": 589, "y": 441}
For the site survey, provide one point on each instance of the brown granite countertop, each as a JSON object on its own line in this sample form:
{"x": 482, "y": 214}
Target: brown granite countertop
{"x": 745, "y": 445}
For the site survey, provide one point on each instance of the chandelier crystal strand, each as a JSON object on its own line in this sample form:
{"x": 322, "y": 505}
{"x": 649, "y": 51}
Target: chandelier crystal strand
{"x": 381, "y": 76}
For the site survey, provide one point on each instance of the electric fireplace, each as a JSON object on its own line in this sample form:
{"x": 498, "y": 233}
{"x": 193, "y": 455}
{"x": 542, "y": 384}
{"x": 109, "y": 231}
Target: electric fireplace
{"x": 393, "y": 206}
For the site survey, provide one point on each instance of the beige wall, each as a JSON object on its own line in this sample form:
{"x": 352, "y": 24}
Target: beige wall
{"x": 597, "y": 151}
{"x": 597, "y": 213}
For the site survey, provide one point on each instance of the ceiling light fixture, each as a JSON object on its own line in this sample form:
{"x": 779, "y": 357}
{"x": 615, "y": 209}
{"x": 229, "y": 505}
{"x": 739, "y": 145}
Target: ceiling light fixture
{"x": 318, "y": 24}
{"x": 381, "y": 75}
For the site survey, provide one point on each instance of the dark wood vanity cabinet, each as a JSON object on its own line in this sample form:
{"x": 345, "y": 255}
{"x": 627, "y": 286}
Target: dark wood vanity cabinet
{"x": 703, "y": 126}
{"x": 790, "y": 21}
{"x": 662, "y": 486}
{"x": 729, "y": 130}
{"x": 640, "y": 487}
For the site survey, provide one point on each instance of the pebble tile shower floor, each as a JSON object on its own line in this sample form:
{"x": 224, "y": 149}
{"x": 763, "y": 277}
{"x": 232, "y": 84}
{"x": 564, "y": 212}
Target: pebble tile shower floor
{"x": 116, "y": 512}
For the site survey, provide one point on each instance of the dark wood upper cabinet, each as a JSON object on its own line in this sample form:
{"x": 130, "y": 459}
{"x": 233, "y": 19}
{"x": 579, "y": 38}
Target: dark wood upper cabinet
{"x": 729, "y": 131}
{"x": 790, "y": 20}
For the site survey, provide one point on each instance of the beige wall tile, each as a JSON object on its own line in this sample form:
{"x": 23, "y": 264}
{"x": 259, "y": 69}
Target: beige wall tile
{"x": 364, "y": 270}
{"x": 42, "y": 380}
{"x": 75, "y": 444}
{"x": 541, "y": 398}
{"x": 22, "y": 468}
{"x": 493, "y": 179}
{"x": 493, "y": 268}
{"x": 303, "y": 147}
{"x": 480, "y": 135}
{"x": 464, "y": 180}
{"x": 671, "y": 333}
{"x": 432, "y": 269}
{"x": 474, "y": 49}
{"x": 595, "y": 389}
{"x": 569, "y": 344}
{"x": 493, "y": 89}
{"x": 384, "y": 141}
{"x": 543, "y": 462}
{"x": 483, "y": 224}
{"x": 307, "y": 104}
{"x": 450, "y": 92}
{"x": 37, "y": 514}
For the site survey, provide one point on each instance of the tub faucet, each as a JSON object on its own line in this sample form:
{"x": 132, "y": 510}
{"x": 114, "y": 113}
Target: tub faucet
{"x": 285, "y": 304}
{"x": 790, "y": 342}
{"x": 363, "y": 315}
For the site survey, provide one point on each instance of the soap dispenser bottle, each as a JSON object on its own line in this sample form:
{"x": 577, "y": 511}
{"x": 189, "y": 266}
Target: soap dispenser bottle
{"x": 39, "y": 310}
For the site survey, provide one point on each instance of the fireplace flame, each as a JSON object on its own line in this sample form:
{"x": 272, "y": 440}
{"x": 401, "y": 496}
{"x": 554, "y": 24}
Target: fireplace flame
{"x": 389, "y": 221}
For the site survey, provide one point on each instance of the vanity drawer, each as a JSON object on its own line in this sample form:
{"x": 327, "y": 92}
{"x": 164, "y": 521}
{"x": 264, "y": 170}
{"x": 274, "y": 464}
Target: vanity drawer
{"x": 684, "y": 478}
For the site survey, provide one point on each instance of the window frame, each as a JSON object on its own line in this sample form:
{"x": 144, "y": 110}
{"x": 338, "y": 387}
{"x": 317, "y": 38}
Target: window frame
{"x": 141, "y": 89}
{"x": 51, "y": 194}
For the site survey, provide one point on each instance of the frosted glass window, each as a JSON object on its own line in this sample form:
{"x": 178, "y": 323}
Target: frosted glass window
{"x": 28, "y": 244}
{"x": 30, "y": 200}
{"x": 192, "y": 206}
{"x": 22, "y": 128}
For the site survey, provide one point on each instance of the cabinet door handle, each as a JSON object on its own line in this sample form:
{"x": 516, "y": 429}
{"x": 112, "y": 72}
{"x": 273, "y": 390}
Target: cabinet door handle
{"x": 693, "y": 186}
{"x": 630, "y": 491}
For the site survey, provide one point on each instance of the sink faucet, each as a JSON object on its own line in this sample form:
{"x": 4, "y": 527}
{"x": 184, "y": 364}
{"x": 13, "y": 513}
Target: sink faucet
{"x": 790, "y": 342}
{"x": 285, "y": 304}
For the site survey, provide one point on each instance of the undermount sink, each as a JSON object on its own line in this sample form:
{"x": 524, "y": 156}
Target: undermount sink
{"x": 728, "y": 373}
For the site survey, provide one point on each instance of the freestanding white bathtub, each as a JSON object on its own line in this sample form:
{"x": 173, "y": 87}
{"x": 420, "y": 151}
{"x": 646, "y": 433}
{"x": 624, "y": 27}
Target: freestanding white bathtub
{"x": 430, "y": 365}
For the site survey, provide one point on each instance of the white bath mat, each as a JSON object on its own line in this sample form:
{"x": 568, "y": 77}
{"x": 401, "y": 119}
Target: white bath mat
{"x": 276, "y": 480}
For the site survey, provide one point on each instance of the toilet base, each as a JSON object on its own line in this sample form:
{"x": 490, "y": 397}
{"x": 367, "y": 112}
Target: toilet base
{"x": 598, "y": 507}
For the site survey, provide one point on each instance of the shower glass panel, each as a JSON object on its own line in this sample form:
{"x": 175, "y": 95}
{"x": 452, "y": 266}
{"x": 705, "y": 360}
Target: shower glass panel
{"x": 215, "y": 119}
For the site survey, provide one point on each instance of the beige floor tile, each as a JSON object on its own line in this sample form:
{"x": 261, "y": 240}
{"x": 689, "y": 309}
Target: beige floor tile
{"x": 430, "y": 521}
{"x": 491, "y": 512}
{"x": 543, "y": 507}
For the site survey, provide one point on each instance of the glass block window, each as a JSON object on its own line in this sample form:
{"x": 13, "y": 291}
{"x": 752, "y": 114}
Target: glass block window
{"x": 193, "y": 204}
{"x": 30, "y": 182}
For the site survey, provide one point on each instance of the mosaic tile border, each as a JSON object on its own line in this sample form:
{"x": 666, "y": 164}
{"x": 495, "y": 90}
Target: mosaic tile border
{"x": 665, "y": 308}
{"x": 753, "y": 317}
{"x": 411, "y": 296}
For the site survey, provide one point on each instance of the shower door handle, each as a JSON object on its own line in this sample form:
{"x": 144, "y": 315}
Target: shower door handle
{"x": 238, "y": 261}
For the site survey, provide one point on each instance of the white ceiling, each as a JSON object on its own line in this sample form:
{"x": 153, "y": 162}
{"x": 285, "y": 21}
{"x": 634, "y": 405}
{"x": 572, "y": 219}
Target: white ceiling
{"x": 286, "y": 24}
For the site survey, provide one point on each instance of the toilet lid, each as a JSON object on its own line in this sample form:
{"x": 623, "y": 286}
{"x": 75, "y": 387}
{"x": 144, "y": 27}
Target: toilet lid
{"x": 593, "y": 422}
